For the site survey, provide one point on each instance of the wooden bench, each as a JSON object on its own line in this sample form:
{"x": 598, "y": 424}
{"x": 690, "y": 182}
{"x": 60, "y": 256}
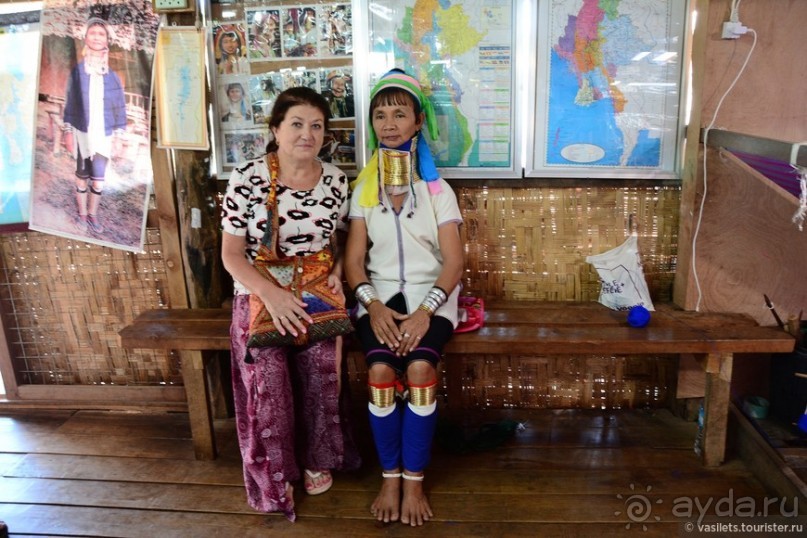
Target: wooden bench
{"x": 515, "y": 328}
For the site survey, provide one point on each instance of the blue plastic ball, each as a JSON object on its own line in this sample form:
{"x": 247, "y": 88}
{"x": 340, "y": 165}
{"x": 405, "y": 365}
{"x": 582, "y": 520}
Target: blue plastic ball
{"x": 638, "y": 316}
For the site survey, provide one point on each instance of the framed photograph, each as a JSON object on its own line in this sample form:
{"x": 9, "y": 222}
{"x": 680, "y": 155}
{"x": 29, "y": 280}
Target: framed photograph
{"x": 340, "y": 148}
{"x": 230, "y": 46}
{"x": 240, "y": 146}
{"x": 608, "y": 90}
{"x": 336, "y": 85}
{"x": 263, "y": 33}
{"x": 235, "y": 106}
{"x": 263, "y": 90}
{"x": 336, "y": 30}
{"x": 19, "y": 46}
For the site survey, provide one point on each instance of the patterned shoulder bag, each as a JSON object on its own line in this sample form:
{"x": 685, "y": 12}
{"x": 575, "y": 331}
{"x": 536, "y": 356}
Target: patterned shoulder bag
{"x": 304, "y": 276}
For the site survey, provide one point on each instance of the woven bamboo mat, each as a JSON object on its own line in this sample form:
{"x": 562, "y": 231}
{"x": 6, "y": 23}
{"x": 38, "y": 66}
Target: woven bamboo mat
{"x": 531, "y": 243}
{"x": 64, "y": 302}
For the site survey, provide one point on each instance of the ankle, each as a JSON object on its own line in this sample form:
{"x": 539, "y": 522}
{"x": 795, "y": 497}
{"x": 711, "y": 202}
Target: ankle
{"x": 391, "y": 473}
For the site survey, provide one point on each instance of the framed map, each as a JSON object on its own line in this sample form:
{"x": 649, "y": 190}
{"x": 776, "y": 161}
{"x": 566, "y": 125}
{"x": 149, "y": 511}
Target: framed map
{"x": 19, "y": 46}
{"x": 180, "y": 88}
{"x": 608, "y": 89}
{"x": 464, "y": 55}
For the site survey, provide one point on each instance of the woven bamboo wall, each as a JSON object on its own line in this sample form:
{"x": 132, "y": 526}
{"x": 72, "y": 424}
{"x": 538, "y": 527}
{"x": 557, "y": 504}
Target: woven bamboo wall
{"x": 532, "y": 243}
{"x": 64, "y": 302}
{"x": 605, "y": 382}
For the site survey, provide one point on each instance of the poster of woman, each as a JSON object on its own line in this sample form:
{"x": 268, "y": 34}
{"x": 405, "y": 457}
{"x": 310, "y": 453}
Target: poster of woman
{"x": 96, "y": 66}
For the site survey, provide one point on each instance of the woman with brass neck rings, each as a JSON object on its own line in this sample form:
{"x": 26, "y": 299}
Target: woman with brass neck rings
{"x": 404, "y": 262}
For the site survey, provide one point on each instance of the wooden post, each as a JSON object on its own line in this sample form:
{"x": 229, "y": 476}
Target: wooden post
{"x": 6, "y": 365}
{"x": 193, "y": 374}
{"x": 169, "y": 227}
{"x": 684, "y": 291}
{"x": 453, "y": 373}
{"x": 716, "y": 407}
{"x": 200, "y": 241}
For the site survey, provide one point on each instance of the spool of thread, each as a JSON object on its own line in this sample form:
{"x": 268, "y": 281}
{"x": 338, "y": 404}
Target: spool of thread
{"x": 638, "y": 316}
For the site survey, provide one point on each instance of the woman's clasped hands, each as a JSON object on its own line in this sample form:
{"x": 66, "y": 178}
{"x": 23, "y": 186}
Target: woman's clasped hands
{"x": 401, "y": 337}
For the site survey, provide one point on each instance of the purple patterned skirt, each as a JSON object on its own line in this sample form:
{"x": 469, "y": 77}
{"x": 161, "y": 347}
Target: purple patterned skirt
{"x": 290, "y": 413}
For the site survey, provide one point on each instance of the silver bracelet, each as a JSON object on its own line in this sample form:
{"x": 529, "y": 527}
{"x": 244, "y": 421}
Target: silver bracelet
{"x": 366, "y": 294}
{"x": 433, "y": 300}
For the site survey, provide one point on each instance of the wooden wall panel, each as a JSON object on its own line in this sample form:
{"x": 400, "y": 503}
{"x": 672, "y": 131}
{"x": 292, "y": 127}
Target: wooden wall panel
{"x": 748, "y": 245}
{"x": 768, "y": 99}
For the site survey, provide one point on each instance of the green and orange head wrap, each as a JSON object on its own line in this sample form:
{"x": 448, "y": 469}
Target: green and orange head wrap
{"x": 395, "y": 78}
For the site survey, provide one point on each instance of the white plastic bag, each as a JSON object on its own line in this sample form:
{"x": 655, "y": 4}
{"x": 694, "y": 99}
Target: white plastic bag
{"x": 621, "y": 277}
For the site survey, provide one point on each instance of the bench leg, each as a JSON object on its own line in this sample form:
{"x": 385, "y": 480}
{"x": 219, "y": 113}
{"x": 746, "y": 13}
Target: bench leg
{"x": 193, "y": 376}
{"x": 716, "y": 407}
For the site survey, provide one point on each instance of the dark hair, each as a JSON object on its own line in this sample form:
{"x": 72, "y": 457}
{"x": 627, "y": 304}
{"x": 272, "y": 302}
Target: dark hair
{"x": 394, "y": 96}
{"x": 299, "y": 95}
{"x": 232, "y": 34}
{"x": 234, "y": 85}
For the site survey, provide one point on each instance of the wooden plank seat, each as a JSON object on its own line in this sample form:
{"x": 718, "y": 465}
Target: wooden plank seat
{"x": 526, "y": 328}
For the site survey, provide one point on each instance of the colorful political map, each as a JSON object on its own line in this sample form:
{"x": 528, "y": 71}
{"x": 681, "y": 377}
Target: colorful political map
{"x": 19, "y": 48}
{"x": 613, "y": 94}
{"x": 462, "y": 54}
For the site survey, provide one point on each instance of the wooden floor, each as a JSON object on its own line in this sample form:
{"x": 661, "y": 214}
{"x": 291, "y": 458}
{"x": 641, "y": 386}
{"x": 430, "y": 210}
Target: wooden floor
{"x": 568, "y": 473}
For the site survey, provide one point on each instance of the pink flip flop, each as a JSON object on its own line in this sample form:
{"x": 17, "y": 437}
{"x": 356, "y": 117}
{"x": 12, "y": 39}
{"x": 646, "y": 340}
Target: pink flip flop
{"x": 317, "y": 482}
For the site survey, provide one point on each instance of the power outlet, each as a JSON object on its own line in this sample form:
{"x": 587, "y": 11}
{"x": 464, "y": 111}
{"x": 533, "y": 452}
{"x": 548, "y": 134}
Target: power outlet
{"x": 733, "y": 30}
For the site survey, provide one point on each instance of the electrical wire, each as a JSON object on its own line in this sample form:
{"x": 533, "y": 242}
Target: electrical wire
{"x": 734, "y": 15}
{"x": 705, "y": 140}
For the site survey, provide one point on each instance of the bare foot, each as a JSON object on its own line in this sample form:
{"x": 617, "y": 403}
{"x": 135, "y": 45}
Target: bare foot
{"x": 290, "y": 495}
{"x": 415, "y": 509}
{"x": 387, "y": 505}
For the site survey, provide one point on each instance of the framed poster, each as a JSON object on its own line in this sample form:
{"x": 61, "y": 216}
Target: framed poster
{"x": 260, "y": 50}
{"x": 180, "y": 87}
{"x": 608, "y": 89}
{"x": 464, "y": 54}
{"x": 19, "y": 47}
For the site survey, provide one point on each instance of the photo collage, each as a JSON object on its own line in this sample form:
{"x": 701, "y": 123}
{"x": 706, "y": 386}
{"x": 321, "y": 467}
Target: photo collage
{"x": 261, "y": 51}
